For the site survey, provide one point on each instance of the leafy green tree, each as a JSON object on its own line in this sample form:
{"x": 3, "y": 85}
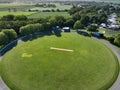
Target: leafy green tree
{"x": 117, "y": 40}
{"x": 10, "y": 33}
{"x": 74, "y": 10}
{"x": 3, "y": 38}
{"x": 7, "y": 18}
{"x": 76, "y": 17}
{"x": 92, "y": 28}
{"x": 69, "y": 22}
{"x": 60, "y": 20}
{"x": 85, "y": 20}
{"x": 78, "y": 25}
{"x": 46, "y": 26}
{"x": 94, "y": 19}
{"x": 53, "y": 22}
{"x": 20, "y": 17}
{"x": 17, "y": 24}
{"x": 31, "y": 29}
{"x": 4, "y": 25}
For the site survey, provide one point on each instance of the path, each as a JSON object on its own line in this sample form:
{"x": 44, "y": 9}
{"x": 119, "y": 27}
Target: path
{"x": 116, "y": 85}
{"x": 3, "y": 86}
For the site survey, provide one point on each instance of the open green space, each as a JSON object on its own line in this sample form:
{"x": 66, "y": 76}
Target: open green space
{"x": 109, "y": 32}
{"x": 6, "y": 5}
{"x": 33, "y": 65}
{"x": 58, "y": 6}
{"x": 15, "y": 13}
{"x": 48, "y": 14}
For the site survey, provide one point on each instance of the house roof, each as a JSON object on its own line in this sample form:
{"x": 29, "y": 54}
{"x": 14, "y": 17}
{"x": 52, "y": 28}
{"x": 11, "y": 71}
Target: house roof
{"x": 66, "y": 27}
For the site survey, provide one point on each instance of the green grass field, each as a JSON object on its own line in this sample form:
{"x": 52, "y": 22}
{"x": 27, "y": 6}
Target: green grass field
{"x": 58, "y": 6}
{"x": 16, "y": 13}
{"x": 108, "y": 32}
{"x": 6, "y": 5}
{"x": 48, "y": 14}
{"x": 32, "y": 65}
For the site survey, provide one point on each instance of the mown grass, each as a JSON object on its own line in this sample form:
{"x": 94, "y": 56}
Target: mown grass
{"x": 48, "y": 14}
{"x": 10, "y": 5}
{"x": 58, "y": 6}
{"x": 92, "y": 66}
{"x": 3, "y": 13}
{"x": 109, "y": 32}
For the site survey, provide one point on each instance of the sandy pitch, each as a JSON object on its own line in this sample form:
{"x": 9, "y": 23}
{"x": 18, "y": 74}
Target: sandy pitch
{"x": 61, "y": 49}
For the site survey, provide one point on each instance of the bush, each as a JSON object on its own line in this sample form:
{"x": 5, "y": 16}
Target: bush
{"x": 117, "y": 40}
{"x": 10, "y": 33}
{"x": 3, "y": 38}
{"x": 92, "y": 28}
{"x": 7, "y": 18}
{"x": 20, "y": 18}
{"x": 111, "y": 39}
{"x": 78, "y": 25}
{"x": 31, "y": 29}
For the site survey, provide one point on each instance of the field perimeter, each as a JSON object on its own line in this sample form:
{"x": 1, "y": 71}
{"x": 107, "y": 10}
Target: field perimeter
{"x": 3, "y": 13}
{"x": 48, "y": 14}
{"x": 32, "y": 65}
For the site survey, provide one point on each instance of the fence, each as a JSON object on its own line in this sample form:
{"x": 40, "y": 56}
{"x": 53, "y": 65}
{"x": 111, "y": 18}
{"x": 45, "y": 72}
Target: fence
{"x": 14, "y": 43}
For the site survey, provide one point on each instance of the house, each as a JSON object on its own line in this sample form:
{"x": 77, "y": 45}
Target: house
{"x": 66, "y": 29}
{"x": 103, "y": 25}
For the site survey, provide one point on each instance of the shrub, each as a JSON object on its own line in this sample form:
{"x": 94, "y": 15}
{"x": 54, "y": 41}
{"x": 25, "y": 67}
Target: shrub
{"x": 3, "y": 38}
{"x": 10, "y": 33}
{"x": 31, "y": 29}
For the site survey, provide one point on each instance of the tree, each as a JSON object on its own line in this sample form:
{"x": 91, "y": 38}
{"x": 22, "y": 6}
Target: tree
{"x": 10, "y": 33}
{"x": 4, "y": 25}
{"x": 53, "y": 22}
{"x": 92, "y": 28}
{"x": 7, "y": 18}
{"x": 117, "y": 40}
{"x": 60, "y": 20}
{"x": 94, "y": 19}
{"x": 3, "y": 38}
{"x": 76, "y": 16}
{"x": 31, "y": 29}
{"x": 85, "y": 20}
{"x": 20, "y": 18}
{"x": 102, "y": 18}
{"x": 17, "y": 24}
{"x": 78, "y": 25}
{"x": 69, "y": 22}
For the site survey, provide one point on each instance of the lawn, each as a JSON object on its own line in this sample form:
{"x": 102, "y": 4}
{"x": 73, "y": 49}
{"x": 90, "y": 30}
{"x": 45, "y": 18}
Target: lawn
{"x": 32, "y": 65}
{"x": 10, "y": 5}
{"x": 58, "y": 6}
{"x": 109, "y": 32}
{"x": 15, "y": 13}
{"x": 48, "y": 14}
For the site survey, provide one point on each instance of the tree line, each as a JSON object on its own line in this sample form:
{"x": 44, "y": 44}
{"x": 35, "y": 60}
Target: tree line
{"x": 80, "y": 18}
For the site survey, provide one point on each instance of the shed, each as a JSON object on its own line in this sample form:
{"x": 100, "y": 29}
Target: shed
{"x": 66, "y": 29}
{"x": 97, "y": 34}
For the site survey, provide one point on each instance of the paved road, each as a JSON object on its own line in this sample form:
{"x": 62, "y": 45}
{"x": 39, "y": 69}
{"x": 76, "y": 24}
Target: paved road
{"x": 3, "y": 86}
{"x": 116, "y": 85}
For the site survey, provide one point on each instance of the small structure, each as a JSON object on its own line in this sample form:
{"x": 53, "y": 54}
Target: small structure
{"x": 97, "y": 34}
{"x": 66, "y": 29}
{"x": 103, "y": 25}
